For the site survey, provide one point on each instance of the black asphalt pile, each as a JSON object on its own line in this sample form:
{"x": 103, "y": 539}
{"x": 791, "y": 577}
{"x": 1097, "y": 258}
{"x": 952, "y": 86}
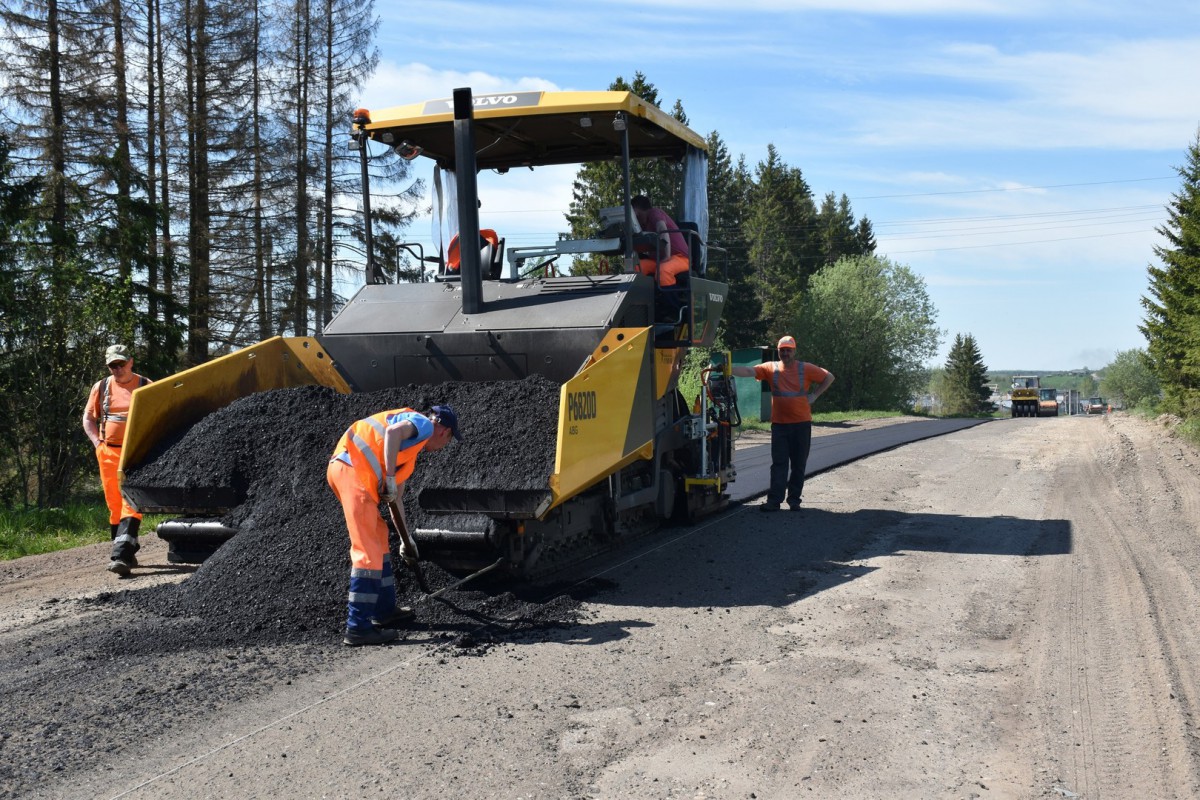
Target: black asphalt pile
{"x": 284, "y": 576}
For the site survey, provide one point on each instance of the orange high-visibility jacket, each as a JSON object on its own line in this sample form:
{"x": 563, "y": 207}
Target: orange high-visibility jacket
{"x": 361, "y": 446}
{"x": 109, "y": 404}
{"x": 789, "y": 388}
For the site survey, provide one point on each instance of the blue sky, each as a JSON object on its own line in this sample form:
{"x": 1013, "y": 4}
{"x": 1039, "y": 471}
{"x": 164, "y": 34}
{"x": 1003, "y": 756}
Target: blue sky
{"x": 1016, "y": 155}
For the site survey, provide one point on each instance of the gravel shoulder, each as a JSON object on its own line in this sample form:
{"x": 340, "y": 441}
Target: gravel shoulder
{"x": 1005, "y": 612}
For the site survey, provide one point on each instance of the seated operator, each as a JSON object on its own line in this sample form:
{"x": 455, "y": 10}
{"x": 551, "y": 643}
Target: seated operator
{"x": 672, "y": 247}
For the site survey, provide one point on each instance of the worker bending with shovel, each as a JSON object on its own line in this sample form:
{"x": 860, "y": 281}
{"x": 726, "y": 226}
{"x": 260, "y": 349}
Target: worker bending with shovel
{"x": 371, "y": 462}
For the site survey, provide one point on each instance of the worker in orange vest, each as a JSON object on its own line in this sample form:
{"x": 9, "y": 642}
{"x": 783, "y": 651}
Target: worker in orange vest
{"x": 104, "y": 418}
{"x": 370, "y": 464}
{"x": 795, "y": 386}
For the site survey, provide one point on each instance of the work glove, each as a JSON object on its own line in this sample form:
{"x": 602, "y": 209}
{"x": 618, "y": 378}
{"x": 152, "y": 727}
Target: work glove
{"x": 410, "y": 555}
{"x": 388, "y": 493}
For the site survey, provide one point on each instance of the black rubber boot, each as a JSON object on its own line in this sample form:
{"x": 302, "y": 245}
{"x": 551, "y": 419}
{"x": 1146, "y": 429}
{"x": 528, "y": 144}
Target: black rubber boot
{"x": 391, "y": 619}
{"x": 125, "y": 546}
{"x": 372, "y": 636}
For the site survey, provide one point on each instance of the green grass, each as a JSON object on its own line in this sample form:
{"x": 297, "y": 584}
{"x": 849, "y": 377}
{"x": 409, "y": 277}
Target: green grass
{"x": 1189, "y": 430}
{"x": 26, "y": 532}
{"x": 846, "y": 416}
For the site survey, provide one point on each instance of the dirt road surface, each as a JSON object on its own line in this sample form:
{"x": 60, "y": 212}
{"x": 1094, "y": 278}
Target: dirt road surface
{"x": 1005, "y": 612}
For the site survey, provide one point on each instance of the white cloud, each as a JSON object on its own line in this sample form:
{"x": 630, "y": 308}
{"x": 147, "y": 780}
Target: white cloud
{"x": 972, "y": 96}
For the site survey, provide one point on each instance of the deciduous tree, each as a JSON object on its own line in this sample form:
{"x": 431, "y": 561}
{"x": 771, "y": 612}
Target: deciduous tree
{"x": 871, "y": 323}
{"x": 1129, "y": 380}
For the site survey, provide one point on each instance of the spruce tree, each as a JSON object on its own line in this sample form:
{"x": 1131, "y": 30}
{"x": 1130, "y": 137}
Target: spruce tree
{"x": 1172, "y": 323}
{"x": 729, "y": 184}
{"x": 838, "y": 233}
{"x": 780, "y": 227}
{"x": 964, "y": 386}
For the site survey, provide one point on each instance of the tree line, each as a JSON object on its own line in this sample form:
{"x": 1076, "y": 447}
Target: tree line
{"x": 173, "y": 176}
{"x": 1172, "y": 322}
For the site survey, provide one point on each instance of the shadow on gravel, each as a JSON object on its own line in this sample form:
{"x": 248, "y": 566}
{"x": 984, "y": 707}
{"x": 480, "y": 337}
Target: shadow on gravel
{"x": 145, "y": 570}
{"x": 747, "y": 558}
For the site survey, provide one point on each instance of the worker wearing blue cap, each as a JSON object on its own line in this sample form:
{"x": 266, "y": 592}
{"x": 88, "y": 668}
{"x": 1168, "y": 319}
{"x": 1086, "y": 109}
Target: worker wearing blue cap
{"x": 371, "y": 463}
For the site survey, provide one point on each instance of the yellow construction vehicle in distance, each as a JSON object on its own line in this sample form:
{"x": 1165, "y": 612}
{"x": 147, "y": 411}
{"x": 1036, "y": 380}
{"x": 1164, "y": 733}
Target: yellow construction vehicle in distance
{"x": 1047, "y": 402}
{"x": 1025, "y": 395}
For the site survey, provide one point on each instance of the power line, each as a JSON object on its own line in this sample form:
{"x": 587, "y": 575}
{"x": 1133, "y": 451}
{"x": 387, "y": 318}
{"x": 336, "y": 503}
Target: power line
{"x": 947, "y": 227}
{"x": 1010, "y": 229}
{"x": 1029, "y": 215}
{"x": 1011, "y": 244}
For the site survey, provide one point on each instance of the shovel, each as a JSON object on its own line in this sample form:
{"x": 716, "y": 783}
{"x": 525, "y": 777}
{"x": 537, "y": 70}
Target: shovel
{"x": 408, "y": 547}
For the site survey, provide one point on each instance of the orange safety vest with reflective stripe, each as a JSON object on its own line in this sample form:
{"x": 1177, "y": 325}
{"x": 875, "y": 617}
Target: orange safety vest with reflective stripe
{"x": 789, "y": 389}
{"x": 361, "y": 446}
{"x": 109, "y": 402}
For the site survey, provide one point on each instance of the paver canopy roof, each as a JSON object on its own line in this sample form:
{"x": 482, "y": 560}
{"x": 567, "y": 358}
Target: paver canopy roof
{"x": 530, "y": 129}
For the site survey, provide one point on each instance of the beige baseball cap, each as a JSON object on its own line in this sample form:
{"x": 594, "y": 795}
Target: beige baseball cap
{"x": 117, "y": 352}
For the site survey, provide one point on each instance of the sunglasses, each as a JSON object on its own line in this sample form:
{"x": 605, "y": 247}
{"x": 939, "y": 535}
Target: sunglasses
{"x": 117, "y": 364}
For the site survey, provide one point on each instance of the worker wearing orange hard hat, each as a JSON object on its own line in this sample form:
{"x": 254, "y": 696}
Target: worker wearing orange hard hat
{"x": 795, "y": 386}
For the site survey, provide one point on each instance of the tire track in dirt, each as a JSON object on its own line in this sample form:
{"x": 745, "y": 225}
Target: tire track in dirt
{"x": 1109, "y": 688}
{"x": 1166, "y": 550}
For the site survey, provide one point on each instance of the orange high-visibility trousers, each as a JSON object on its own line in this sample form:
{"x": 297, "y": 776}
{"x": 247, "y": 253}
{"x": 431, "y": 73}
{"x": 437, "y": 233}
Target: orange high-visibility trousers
{"x": 368, "y": 531}
{"x": 667, "y": 271}
{"x": 109, "y": 457}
